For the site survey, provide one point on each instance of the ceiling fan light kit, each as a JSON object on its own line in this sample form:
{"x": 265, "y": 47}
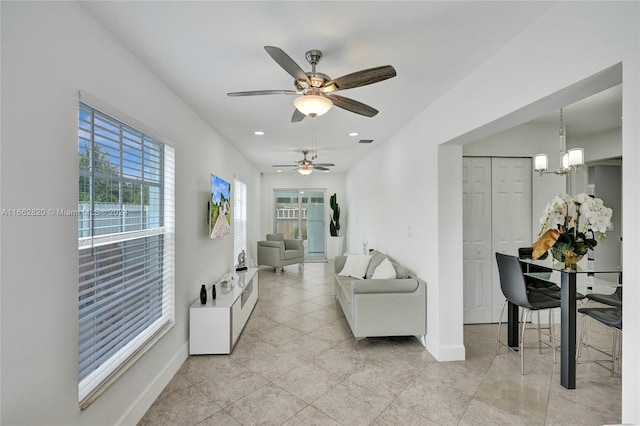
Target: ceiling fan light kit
{"x": 312, "y": 105}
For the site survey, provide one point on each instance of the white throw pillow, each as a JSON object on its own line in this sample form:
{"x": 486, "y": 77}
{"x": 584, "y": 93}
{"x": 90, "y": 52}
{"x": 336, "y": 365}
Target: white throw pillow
{"x": 355, "y": 266}
{"x": 385, "y": 270}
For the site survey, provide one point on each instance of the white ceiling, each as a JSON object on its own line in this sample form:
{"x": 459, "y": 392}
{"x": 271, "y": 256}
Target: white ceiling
{"x": 202, "y": 50}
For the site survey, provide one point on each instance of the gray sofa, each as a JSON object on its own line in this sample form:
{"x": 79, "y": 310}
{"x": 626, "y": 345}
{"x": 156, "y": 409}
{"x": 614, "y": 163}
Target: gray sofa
{"x": 278, "y": 251}
{"x": 382, "y": 307}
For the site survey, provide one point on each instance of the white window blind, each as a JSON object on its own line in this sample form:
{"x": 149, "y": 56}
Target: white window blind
{"x": 239, "y": 218}
{"x": 125, "y": 244}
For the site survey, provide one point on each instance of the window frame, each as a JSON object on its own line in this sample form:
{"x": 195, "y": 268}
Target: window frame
{"x": 158, "y": 236}
{"x": 240, "y": 211}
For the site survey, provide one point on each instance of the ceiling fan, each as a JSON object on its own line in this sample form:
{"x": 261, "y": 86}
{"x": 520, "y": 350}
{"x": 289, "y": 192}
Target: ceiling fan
{"x": 306, "y": 166}
{"x": 316, "y": 89}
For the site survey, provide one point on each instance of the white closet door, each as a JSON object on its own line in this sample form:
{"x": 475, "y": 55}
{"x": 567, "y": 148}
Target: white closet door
{"x": 511, "y": 214}
{"x": 497, "y": 217}
{"x": 477, "y": 252}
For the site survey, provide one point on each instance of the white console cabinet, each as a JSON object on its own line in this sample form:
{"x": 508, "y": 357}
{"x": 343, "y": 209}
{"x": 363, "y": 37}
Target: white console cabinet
{"x": 215, "y": 326}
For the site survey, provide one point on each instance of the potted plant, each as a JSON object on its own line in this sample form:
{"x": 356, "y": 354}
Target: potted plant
{"x": 336, "y": 242}
{"x": 334, "y": 226}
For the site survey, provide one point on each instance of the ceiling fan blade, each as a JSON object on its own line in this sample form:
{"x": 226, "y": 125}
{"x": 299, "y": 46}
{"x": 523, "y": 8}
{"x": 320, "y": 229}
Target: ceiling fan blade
{"x": 360, "y": 78}
{"x": 297, "y": 116}
{"x": 353, "y": 105}
{"x": 325, "y": 164}
{"x": 324, "y": 169}
{"x": 288, "y": 64}
{"x": 285, "y": 165}
{"x": 263, "y": 92}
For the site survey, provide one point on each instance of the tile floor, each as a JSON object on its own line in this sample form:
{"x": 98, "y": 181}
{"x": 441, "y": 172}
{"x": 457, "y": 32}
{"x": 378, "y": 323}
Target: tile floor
{"x": 296, "y": 363}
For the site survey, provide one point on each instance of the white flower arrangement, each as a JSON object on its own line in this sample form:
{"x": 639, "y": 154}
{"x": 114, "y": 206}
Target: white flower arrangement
{"x": 582, "y": 213}
{"x": 566, "y": 221}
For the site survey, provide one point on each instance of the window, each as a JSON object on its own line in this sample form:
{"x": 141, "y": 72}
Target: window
{"x": 125, "y": 246}
{"x": 239, "y": 218}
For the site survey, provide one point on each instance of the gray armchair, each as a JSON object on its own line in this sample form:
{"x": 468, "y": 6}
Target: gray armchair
{"x": 278, "y": 251}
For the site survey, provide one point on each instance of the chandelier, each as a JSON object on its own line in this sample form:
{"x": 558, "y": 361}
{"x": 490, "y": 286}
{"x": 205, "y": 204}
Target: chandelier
{"x": 569, "y": 159}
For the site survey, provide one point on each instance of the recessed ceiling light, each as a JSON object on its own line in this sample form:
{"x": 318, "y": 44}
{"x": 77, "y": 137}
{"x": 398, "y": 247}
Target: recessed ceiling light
{"x": 278, "y": 171}
{"x": 258, "y": 132}
{"x": 353, "y": 134}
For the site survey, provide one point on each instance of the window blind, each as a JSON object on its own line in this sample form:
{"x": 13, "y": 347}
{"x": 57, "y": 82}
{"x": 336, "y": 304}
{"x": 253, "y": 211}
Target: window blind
{"x": 239, "y": 218}
{"x": 125, "y": 244}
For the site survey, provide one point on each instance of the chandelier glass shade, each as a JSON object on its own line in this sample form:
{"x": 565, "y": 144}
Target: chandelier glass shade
{"x": 312, "y": 105}
{"x": 569, "y": 159}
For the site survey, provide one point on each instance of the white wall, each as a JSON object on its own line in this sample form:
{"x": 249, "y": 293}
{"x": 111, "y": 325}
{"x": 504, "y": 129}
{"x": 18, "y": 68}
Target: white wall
{"x": 50, "y": 50}
{"x": 547, "y": 66}
{"x": 332, "y": 182}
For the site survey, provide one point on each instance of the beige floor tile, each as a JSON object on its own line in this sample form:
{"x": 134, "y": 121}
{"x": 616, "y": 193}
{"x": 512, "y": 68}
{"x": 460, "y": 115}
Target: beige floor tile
{"x": 186, "y": 406}
{"x": 274, "y": 364}
{"x": 307, "y": 382}
{"x": 311, "y": 417}
{"x": 305, "y": 323}
{"x": 219, "y": 419}
{"x": 339, "y": 361}
{"x": 230, "y": 384}
{"x": 384, "y": 381}
{"x": 395, "y": 415}
{"x": 306, "y": 347}
{"x": 297, "y": 363}
{"x": 351, "y": 404}
{"x": 277, "y": 335}
{"x": 269, "y": 405}
{"x": 248, "y": 347}
{"x": 200, "y": 368}
{"x": 334, "y": 332}
{"x": 479, "y": 413}
{"x": 441, "y": 392}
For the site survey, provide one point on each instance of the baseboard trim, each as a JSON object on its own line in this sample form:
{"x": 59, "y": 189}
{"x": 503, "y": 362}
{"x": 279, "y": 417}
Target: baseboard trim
{"x": 445, "y": 353}
{"x": 140, "y": 405}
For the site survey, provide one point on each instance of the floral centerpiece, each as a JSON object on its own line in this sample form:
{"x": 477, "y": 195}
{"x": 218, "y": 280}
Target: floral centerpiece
{"x": 569, "y": 227}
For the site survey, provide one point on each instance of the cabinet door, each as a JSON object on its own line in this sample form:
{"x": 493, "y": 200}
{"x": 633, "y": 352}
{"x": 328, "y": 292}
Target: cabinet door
{"x": 209, "y": 330}
{"x": 496, "y": 218}
{"x": 477, "y": 251}
{"x": 242, "y": 308}
{"x": 511, "y": 215}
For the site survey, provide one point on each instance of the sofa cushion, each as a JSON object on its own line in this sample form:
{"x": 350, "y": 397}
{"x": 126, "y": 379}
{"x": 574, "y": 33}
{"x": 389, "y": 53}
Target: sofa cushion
{"x": 401, "y": 271}
{"x": 356, "y": 266}
{"x": 385, "y": 270}
{"x": 376, "y": 259}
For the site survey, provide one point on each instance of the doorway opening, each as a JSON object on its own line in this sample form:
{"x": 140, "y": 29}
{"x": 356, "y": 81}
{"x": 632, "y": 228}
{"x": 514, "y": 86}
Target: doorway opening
{"x": 300, "y": 214}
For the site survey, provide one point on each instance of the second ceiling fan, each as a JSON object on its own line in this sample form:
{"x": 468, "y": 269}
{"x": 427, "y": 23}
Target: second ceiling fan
{"x": 306, "y": 166}
{"x": 315, "y": 89}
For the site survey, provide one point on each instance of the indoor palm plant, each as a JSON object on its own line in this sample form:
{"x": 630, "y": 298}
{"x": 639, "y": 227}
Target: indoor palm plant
{"x": 569, "y": 227}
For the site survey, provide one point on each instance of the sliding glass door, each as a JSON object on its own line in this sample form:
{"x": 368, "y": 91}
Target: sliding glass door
{"x": 300, "y": 214}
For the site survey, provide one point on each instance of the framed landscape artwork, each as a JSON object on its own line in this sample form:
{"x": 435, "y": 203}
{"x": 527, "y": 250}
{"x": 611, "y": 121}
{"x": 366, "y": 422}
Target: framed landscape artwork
{"x": 219, "y": 207}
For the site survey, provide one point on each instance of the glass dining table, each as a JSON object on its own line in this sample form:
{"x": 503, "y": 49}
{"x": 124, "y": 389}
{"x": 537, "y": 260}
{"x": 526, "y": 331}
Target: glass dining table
{"x": 583, "y": 279}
